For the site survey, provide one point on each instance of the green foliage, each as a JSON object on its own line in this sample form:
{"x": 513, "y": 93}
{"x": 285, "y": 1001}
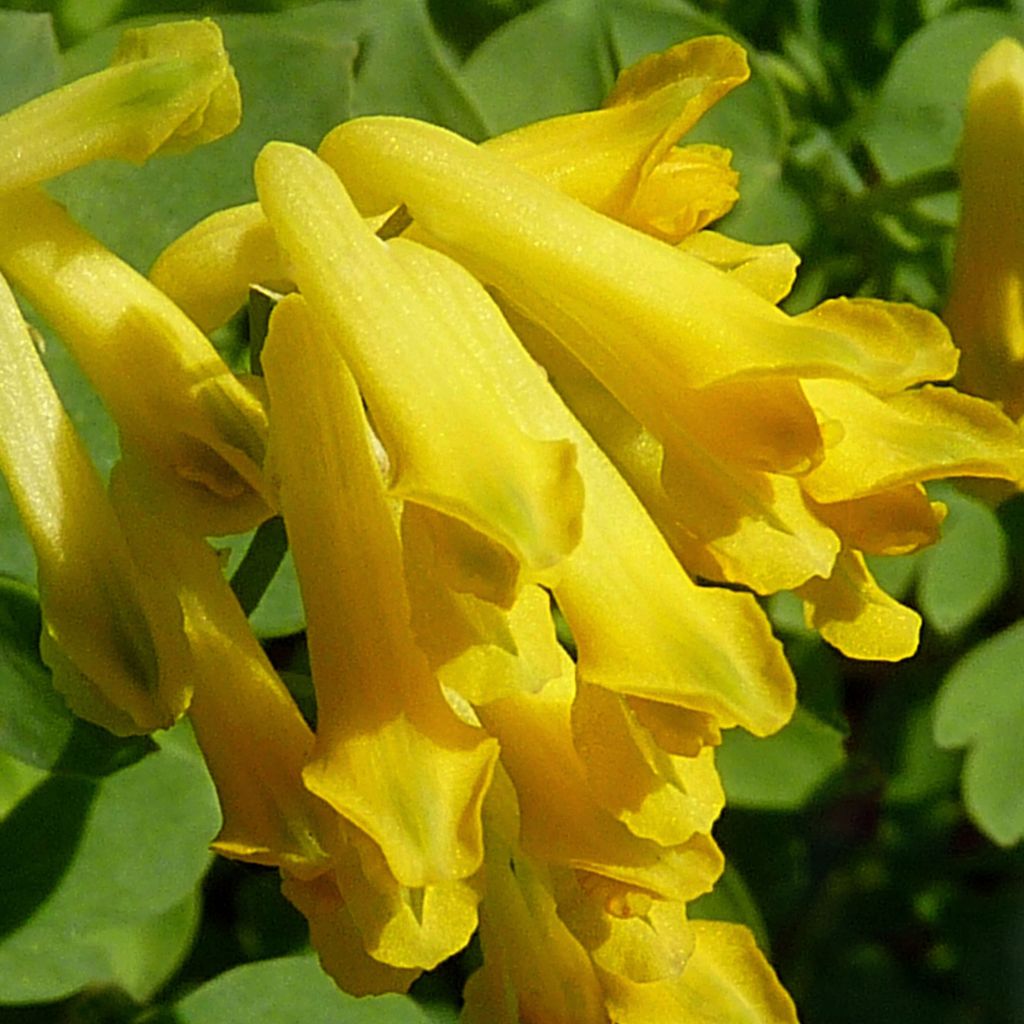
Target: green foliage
{"x": 292, "y": 990}
{"x": 981, "y": 706}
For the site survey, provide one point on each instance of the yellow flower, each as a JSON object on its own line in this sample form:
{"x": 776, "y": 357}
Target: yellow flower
{"x": 985, "y": 306}
{"x": 171, "y": 395}
{"x": 112, "y": 635}
{"x": 622, "y": 160}
{"x": 390, "y": 755}
{"x": 421, "y": 367}
{"x": 169, "y": 88}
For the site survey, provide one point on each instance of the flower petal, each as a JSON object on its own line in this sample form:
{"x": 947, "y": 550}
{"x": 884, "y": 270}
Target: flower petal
{"x": 169, "y": 88}
{"x": 418, "y": 353}
{"x": 926, "y": 434}
{"x": 390, "y": 754}
{"x": 768, "y": 270}
{"x": 208, "y": 271}
{"x": 647, "y": 319}
{"x": 167, "y": 388}
{"x": 112, "y": 638}
{"x": 563, "y": 821}
{"x": 726, "y": 979}
{"x": 656, "y": 795}
{"x": 852, "y": 612}
{"x": 985, "y": 305}
{"x": 338, "y": 942}
{"x": 621, "y": 160}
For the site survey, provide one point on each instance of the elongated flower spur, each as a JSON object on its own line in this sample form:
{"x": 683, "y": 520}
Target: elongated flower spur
{"x": 506, "y": 386}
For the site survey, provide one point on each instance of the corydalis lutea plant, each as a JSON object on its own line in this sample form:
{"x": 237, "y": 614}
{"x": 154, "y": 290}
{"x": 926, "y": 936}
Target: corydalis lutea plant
{"x": 465, "y": 772}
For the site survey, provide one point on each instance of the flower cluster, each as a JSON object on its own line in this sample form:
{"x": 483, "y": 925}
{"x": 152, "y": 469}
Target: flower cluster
{"x": 500, "y": 383}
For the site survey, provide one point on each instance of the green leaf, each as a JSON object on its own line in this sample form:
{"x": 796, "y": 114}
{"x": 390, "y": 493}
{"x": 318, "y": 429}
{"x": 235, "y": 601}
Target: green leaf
{"x": 36, "y": 725}
{"x": 783, "y": 771}
{"x": 86, "y": 862}
{"x": 145, "y": 954}
{"x": 291, "y": 990}
{"x": 981, "y": 706}
{"x": 924, "y": 770}
{"x": 30, "y": 64}
{"x": 964, "y": 573}
{"x": 403, "y": 66}
{"x": 916, "y": 121}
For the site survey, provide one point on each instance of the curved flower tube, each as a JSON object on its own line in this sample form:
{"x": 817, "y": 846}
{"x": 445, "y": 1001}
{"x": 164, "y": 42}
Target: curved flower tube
{"x": 984, "y": 310}
{"x": 169, "y": 88}
{"x": 167, "y": 388}
{"x": 390, "y": 754}
{"x": 420, "y": 363}
{"x": 112, "y": 635}
{"x": 622, "y": 160}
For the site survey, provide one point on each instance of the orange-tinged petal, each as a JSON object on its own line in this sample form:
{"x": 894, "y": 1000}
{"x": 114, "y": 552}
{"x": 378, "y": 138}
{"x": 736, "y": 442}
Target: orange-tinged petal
{"x": 169, "y": 88}
{"x": 893, "y": 522}
{"x": 420, "y": 359}
{"x": 167, "y": 388}
{"x": 390, "y": 754}
{"x": 925, "y": 434}
{"x": 852, "y": 612}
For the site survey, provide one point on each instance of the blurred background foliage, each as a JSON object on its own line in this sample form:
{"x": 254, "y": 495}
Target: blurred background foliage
{"x": 874, "y": 844}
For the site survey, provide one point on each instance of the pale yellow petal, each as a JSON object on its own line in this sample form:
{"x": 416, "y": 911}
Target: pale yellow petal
{"x": 985, "y": 311}
{"x": 649, "y": 320}
{"x": 769, "y": 270}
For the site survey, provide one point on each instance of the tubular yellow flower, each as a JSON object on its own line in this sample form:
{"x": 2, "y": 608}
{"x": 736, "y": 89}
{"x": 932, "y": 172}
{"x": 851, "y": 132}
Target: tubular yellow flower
{"x": 986, "y": 306}
{"x": 390, "y": 754}
{"x": 207, "y": 272}
{"x": 169, "y": 88}
{"x": 420, "y": 363}
{"x": 622, "y": 161}
{"x": 112, "y": 635}
{"x": 167, "y": 388}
